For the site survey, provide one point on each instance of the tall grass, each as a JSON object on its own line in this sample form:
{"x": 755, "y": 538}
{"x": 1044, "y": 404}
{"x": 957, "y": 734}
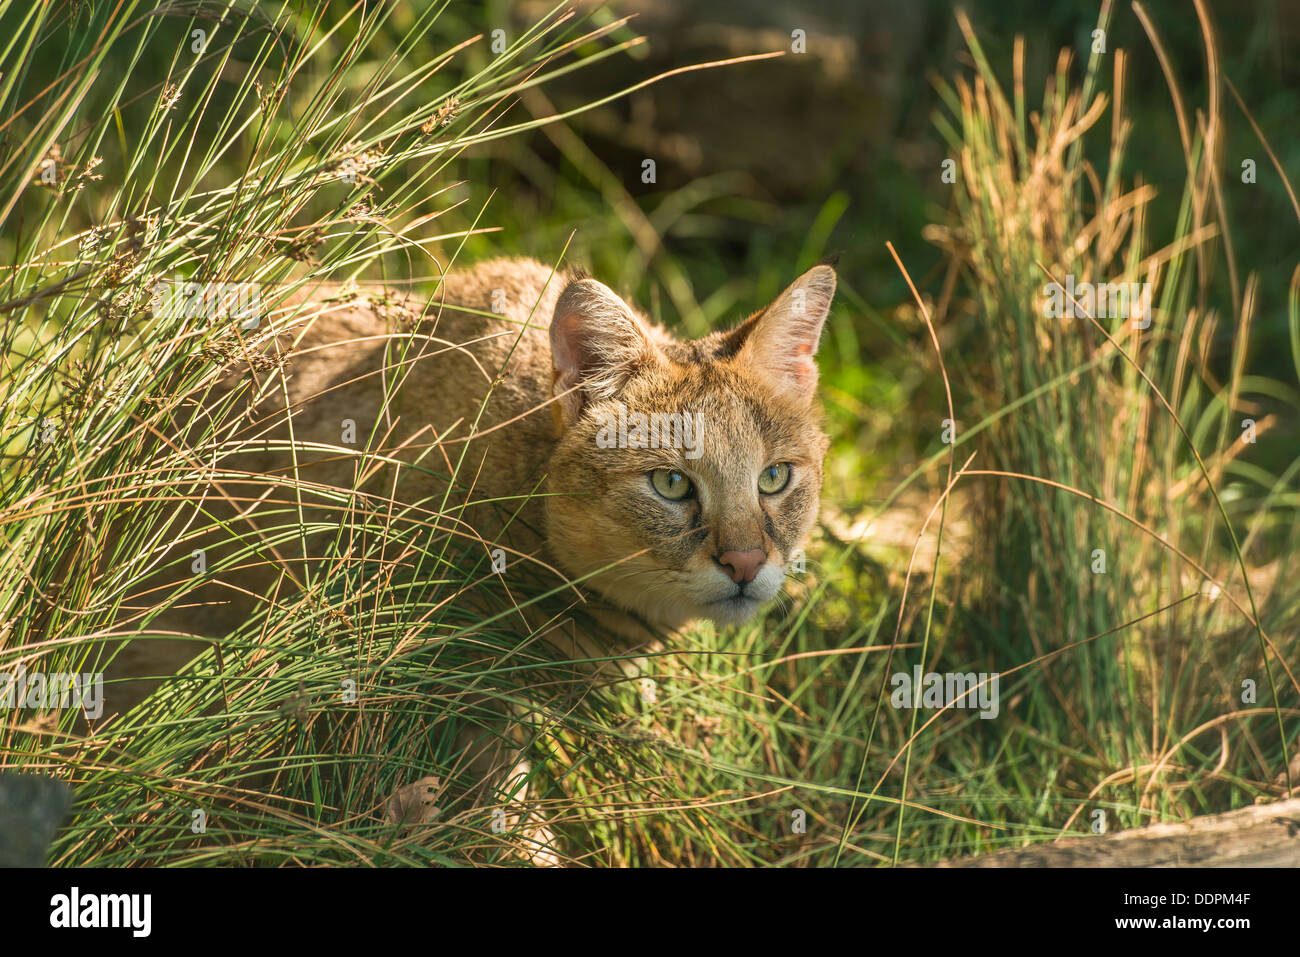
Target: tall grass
{"x": 1119, "y": 513}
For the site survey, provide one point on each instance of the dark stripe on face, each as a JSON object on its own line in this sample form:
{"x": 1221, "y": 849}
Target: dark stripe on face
{"x": 770, "y": 527}
{"x": 794, "y": 508}
{"x": 698, "y": 532}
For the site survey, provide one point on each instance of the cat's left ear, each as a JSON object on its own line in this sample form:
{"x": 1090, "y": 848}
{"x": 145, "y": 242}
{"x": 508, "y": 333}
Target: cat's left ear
{"x": 597, "y": 344}
{"x": 779, "y": 342}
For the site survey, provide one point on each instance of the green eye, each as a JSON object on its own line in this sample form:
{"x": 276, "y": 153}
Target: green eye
{"x": 671, "y": 484}
{"x": 774, "y": 478}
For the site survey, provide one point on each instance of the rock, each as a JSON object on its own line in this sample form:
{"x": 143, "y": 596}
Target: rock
{"x": 31, "y": 808}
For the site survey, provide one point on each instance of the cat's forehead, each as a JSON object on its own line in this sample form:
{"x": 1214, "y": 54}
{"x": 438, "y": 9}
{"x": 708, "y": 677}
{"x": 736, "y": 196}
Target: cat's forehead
{"x": 719, "y": 347}
{"x": 735, "y": 408}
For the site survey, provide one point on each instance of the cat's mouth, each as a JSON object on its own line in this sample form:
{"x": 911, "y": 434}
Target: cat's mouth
{"x": 702, "y": 595}
{"x": 757, "y": 591}
{"x": 740, "y": 601}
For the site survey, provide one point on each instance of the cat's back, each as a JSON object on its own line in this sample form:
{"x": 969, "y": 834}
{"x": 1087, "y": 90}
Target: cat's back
{"x": 483, "y": 325}
{"x": 378, "y": 400}
{"x": 404, "y": 400}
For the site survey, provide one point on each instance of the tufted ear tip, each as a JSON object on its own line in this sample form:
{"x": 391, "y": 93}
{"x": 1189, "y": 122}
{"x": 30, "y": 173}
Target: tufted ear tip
{"x": 822, "y": 276}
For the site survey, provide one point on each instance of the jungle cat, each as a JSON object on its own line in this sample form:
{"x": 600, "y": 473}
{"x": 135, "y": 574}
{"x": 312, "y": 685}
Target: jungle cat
{"x": 710, "y": 525}
{"x": 679, "y": 476}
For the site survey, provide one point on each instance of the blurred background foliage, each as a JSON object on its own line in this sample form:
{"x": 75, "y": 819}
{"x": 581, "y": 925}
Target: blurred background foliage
{"x": 763, "y": 168}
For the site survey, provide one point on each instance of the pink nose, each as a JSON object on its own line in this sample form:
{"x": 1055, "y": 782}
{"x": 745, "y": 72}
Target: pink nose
{"x": 742, "y": 566}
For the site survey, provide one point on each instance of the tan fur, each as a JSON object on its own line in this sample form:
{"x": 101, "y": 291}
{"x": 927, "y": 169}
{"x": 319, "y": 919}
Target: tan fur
{"x": 338, "y": 358}
{"x": 747, "y": 384}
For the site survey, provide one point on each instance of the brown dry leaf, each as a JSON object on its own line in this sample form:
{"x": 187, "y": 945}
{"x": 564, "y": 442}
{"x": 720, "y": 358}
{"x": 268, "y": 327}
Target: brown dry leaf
{"x": 413, "y": 803}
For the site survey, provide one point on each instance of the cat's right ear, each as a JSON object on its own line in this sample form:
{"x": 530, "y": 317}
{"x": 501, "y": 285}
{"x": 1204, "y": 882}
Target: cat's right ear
{"x": 597, "y": 343}
{"x": 780, "y": 341}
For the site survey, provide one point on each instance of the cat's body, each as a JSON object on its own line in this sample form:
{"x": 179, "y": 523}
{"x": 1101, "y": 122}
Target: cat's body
{"x": 411, "y": 391}
{"x": 540, "y": 428}
{"x": 700, "y": 527}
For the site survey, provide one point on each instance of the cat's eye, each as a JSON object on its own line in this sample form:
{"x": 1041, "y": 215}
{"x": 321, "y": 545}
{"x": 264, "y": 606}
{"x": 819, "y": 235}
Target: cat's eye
{"x": 671, "y": 484}
{"x": 774, "y": 478}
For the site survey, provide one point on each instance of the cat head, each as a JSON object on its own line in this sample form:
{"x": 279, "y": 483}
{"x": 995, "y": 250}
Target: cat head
{"x": 686, "y": 474}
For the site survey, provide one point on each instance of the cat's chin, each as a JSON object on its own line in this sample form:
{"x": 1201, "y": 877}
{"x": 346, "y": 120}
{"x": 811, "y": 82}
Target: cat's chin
{"x": 727, "y": 611}
{"x": 706, "y": 596}
{"x": 732, "y": 611}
